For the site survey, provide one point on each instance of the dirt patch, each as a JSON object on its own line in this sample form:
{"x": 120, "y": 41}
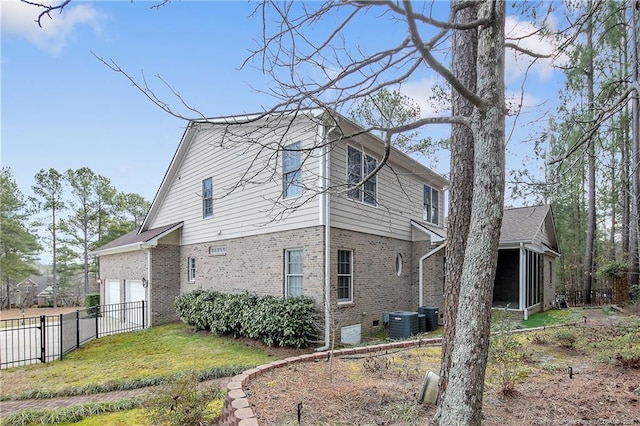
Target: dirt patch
{"x": 35, "y": 312}
{"x": 381, "y": 389}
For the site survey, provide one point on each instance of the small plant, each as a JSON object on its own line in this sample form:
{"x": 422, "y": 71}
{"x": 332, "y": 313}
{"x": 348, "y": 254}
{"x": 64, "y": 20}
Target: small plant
{"x": 565, "y": 337}
{"x": 540, "y": 338}
{"x": 374, "y": 364}
{"x": 405, "y": 413}
{"x": 181, "y": 402}
{"x": 506, "y": 353}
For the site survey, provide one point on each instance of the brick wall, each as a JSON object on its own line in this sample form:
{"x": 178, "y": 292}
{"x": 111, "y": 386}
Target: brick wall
{"x": 256, "y": 263}
{"x": 165, "y": 283}
{"x": 376, "y": 285}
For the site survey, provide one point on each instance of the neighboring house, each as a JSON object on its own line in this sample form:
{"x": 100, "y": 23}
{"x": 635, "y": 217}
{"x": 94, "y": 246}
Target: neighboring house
{"x": 526, "y": 260}
{"x": 27, "y": 290}
{"x": 271, "y": 207}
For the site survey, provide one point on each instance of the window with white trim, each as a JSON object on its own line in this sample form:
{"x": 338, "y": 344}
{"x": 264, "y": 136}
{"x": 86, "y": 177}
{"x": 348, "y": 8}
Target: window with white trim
{"x": 293, "y": 272}
{"x": 292, "y": 170}
{"x": 345, "y": 276}
{"x": 191, "y": 269}
{"x": 207, "y": 198}
{"x": 359, "y": 165}
{"x": 431, "y": 205}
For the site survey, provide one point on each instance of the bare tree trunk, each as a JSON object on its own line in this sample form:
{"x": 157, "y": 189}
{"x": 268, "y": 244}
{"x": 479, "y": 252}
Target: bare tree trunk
{"x": 462, "y": 402}
{"x": 461, "y": 177}
{"x": 591, "y": 173}
{"x": 634, "y": 231}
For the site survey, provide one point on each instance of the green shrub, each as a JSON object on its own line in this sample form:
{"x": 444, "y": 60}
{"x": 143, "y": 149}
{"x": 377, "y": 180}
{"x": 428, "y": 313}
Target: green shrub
{"x": 92, "y": 299}
{"x": 181, "y": 402}
{"x": 276, "y": 321}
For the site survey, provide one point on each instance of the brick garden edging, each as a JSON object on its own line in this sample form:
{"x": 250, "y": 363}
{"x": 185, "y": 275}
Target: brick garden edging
{"x": 236, "y": 409}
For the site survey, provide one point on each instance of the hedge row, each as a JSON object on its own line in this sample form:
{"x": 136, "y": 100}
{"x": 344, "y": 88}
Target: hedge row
{"x": 275, "y": 321}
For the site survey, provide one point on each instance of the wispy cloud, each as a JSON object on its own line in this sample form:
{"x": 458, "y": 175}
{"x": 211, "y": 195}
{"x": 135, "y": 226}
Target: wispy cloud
{"x": 527, "y": 36}
{"x": 425, "y": 92}
{"x": 18, "y": 19}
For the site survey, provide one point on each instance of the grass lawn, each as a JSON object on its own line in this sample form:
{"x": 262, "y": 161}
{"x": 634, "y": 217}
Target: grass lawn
{"x": 152, "y": 353}
{"x": 552, "y": 317}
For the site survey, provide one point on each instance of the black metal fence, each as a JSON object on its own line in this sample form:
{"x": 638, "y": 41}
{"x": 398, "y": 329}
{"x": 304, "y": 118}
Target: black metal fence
{"x": 49, "y": 337}
{"x": 592, "y": 298}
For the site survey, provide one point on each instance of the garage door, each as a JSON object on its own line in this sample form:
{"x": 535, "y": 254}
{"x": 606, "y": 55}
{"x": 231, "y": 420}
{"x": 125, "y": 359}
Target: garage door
{"x": 111, "y": 292}
{"x": 134, "y": 291}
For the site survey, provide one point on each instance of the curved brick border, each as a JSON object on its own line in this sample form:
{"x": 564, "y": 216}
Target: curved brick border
{"x": 237, "y": 411}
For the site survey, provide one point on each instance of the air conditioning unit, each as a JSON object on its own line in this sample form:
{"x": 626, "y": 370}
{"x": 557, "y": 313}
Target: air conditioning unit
{"x": 402, "y": 324}
{"x": 431, "y": 314}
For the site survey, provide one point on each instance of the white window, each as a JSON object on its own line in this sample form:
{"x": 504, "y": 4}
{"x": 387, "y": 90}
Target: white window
{"x": 191, "y": 269}
{"x": 291, "y": 170}
{"x": 207, "y": 198}
{"x": 431, "y": 205}
{"x": 345, "y": 276}
{"x": 293, "y": 272}
{"x": 359, "y": 165}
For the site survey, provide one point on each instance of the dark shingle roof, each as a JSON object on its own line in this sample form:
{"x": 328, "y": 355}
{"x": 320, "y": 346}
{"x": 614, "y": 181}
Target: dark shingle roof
{"x": 522, "y": 223}
{"x": 133, "y": 237}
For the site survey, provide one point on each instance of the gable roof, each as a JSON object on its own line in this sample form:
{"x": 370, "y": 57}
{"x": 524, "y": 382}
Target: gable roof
{"x": 136, "y": 241}
{"x": 524, "y": 224}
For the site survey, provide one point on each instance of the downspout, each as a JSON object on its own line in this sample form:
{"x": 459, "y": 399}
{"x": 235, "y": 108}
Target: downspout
{"x": 325, "y": 220}
{"x": 149, "y": 286}
{"x": 522, "y": 284}
{"x": 421, "y": 268}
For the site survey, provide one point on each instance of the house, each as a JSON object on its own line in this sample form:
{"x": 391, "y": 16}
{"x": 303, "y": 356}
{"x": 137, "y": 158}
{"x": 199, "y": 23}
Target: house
{"x": 281, "y": 205}
{"x": 276, "y": 205}
{"x": 526, "y": 260}
{"x": 27, "y": 291}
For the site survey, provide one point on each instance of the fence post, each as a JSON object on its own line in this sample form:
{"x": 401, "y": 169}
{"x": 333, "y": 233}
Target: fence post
{"x": 100, "y": 310}
{"x": 43, "y": 339}
{"x": 77, "y": 328}
{"x": 143, "y": 315}
{"x": 61, "y": 339}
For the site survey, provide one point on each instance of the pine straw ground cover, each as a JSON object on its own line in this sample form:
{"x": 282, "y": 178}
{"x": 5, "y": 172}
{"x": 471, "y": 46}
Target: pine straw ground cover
{"x": 381, "y": 389}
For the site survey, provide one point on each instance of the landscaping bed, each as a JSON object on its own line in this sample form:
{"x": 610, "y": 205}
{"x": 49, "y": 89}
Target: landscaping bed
{"x": 381, "y": 389}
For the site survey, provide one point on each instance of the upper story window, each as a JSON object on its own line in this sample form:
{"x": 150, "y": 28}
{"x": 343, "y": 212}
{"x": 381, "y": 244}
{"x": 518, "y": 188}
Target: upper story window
{"x": 207, "y": 198}
{"x": 292, "y": 171}
{"x": 431, "y": 205}
{"x": 293, "y": 272}
{"x": 359, "y": 165}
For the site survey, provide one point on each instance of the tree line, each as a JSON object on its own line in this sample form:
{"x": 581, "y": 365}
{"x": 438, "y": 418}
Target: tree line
{"x": 69, "y": 214}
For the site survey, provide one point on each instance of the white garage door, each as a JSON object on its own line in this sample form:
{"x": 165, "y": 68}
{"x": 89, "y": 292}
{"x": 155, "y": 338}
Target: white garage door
{"x": 134, "y": 291}
{"x": 111, "y": 292}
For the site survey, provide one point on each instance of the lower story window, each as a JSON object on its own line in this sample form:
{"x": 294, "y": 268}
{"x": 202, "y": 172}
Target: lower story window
{"x": 345, "y": 276}
{"x": 293, "y": 273}
{"x": 191, "y": 268}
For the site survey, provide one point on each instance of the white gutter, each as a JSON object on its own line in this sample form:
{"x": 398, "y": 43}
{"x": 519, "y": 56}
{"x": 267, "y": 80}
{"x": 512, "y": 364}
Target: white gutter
{"x": 421, "y": 278}
{"x": 325, "y": 220}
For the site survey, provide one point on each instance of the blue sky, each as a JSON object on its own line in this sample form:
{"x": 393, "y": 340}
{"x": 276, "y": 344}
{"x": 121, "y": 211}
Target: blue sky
{"x": 62, "y": 108}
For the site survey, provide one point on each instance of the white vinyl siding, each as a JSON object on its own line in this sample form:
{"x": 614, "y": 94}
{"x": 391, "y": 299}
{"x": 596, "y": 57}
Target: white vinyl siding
{"x": 245, "y": 210}
{"x": 207, "y": 198}
{"x": 291, "y": 171}
{"x": 431, "y": 212}
{"x": 359, "y": 165}
{"x": 399, "y": 198}
{"x": 345, "y": 276}
{"x": 293, "y": 272}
